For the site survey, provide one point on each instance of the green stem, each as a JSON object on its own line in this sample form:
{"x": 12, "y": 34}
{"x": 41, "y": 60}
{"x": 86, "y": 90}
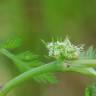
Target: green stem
{"x": 7, "y": 53}
{"x": 84, "y": 63}
{"x": 54, "y": 66}
{"x": 20, "y": 64}
{"x": 27, "y": 75}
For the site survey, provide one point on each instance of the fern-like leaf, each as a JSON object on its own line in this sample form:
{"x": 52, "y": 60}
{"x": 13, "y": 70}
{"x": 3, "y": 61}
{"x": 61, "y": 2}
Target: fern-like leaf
{"x": 88, "y": 54}
{"x": 27, "y": 56}
{"x": 31, "y": 61}
{"x": 91, "y": 90}
{"x": 46, "y": 78}
{"x": 11, "y": 43}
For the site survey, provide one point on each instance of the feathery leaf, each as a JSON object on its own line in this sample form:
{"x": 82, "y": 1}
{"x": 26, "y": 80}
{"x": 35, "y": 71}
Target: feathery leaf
{"x": 11, "y": 43}
{"x": 88, "y": 54}
{"x": 90, "y": 90}
{"x": 32, "y": 61}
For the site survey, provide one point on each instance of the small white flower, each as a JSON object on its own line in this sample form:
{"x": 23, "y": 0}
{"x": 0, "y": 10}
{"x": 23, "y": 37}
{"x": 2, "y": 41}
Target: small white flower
{"x": 64, "y": 49}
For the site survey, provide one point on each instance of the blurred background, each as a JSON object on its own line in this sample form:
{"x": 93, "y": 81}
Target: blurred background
{"x": 33, "y": 20}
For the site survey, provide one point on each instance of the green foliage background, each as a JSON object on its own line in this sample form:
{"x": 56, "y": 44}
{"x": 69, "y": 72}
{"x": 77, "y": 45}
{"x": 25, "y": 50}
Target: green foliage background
{"x": 33, "y": 20}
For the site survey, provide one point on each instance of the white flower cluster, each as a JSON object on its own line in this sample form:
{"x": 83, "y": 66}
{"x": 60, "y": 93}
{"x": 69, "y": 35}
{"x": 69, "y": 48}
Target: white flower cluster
{"x": 64, "y": 49}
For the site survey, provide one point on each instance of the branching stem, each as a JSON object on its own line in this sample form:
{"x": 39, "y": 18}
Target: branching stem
{"x": 50, "y": 67}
